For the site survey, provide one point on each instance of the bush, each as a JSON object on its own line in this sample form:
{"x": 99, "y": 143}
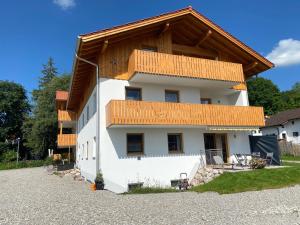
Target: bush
{"x": 99, "y": 178}
{"x": 8, "y": 156}
{"x": 21, "y": 164}
{"x": 48, "y": 161}
{"x": 258, "y": 163}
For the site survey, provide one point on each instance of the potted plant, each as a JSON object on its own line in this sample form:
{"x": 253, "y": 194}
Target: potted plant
{"x": 99, "y": 181}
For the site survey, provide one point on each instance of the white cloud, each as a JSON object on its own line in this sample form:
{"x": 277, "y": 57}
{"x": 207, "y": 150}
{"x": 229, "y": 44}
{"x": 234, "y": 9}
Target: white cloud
{"x": 65, "y": 4}
{"x": 286, "y": 53}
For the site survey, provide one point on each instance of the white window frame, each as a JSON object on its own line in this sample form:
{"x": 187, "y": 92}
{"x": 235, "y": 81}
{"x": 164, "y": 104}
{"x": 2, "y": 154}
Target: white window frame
{"x": 94, "y": 148}
{"x": 87, "y": 151}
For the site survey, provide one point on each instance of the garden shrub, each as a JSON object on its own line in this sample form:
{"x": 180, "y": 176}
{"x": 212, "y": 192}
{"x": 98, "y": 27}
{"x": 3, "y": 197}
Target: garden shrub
{"x": 8, "y": 156}
{"x": 257, "y": 163}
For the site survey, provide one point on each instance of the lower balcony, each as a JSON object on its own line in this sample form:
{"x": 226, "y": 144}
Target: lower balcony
{"x": 66, "y": 140}
{"x": 137, "y": 113}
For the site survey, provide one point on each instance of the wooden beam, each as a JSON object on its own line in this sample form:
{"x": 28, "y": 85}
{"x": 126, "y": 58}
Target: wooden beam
{"x": 207, "y": 35}
{"x": 250, "y": 66}
{"x": 166, "y": 27}
{"x": 104, "y": 47}
{"x": 194, "y": 51}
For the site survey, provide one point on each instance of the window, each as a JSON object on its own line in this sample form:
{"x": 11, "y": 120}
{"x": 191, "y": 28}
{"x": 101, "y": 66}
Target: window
{"x": 87, "y": 150}
{"x": 94, "y": 103}
{"x": 82, "y": 151}
{"x": 284, "y": 136}
{"x": 149, "y": 48}
{"x": 87, "y": 113}
{"x": 82, "y": 120}
{"x": 135, "y": 143}
{"x": 79, "y": 151}
{"x": 133, "y": 94}
{"x": 295, "y": 134}
{"x": 171, "y": 96}
{"x": 205, "y": 101}
{"x": 94, "y": 148}
{"x": 175, "y": 142}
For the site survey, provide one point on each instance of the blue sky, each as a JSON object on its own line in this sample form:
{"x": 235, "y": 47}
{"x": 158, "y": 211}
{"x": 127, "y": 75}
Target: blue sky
{"x": 33, "y": 30}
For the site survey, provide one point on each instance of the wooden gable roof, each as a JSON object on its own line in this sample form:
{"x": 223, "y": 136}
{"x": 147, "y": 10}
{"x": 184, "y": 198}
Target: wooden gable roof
{"x": 188, "y": 27}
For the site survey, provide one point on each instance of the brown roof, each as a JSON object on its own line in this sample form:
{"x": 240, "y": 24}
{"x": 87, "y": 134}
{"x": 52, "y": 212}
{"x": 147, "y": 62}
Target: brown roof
{"x": 62, "y": 95}
{"x": 283, "y": 117}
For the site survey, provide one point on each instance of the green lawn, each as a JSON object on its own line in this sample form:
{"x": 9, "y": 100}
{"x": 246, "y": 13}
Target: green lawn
{"x": 253, "y": 180}
{"x": 21, "y": 164}
{"x": 290, "y": 158}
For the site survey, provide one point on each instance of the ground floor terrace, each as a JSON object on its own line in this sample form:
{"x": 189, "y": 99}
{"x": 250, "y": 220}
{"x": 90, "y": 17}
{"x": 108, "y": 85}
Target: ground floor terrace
{"x": 31, "y": 196}
{"x": 157, "y": 156}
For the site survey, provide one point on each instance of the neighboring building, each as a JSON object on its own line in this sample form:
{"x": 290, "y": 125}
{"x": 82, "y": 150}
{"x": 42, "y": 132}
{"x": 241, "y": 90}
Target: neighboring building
{"x": 171, "y": 88}
{"x": 285, "y": 125}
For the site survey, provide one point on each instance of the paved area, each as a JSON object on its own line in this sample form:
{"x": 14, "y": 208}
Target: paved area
{"x": 30, "y": 196}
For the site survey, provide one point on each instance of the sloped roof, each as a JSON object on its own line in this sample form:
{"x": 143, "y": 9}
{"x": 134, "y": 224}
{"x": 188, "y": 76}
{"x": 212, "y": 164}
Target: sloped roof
{"x": 283, "y": 117}
{"x": 189, "y": 10}
{"x": 62, "y": 95}
{"x": 89, "y": 45}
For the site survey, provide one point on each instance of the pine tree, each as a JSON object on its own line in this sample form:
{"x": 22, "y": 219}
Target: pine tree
{"x": 49, "y": 72}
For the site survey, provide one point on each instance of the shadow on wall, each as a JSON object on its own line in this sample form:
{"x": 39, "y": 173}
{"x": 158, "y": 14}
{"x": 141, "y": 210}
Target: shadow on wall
{"x": 155, "y": 144}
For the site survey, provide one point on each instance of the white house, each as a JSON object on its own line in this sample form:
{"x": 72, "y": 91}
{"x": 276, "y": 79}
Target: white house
{"x": 285, "y": 125}
{"x": 154, "y": 98}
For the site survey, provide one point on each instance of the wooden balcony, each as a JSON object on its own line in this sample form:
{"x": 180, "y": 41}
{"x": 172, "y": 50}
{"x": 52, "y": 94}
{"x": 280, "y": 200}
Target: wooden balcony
{"x": 122, "y": 112}
{"x": 64, "y": 115}
{"x": 66, "y": 140}
{"x": 159, "y": 64}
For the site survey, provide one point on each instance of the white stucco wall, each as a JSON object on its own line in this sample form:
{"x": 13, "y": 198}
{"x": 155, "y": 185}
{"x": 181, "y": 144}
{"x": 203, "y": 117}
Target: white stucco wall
{"x": 86, "y": 134}
{"x": 157, "y": 166}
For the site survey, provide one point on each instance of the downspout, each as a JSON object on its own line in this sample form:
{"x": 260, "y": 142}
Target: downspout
{"x": 97, "y": 109}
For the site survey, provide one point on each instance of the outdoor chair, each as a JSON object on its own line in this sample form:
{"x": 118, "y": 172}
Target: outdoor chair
{"x": 269, "y": 158}
{"x": 241, "y": 160}
{"x": 219, "y": 161}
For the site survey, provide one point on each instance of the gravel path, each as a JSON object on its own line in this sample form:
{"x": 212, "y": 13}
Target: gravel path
{"x": 30, "y": 196}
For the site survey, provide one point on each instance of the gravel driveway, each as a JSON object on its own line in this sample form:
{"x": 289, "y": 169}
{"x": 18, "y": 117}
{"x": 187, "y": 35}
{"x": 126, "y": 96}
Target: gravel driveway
{"x": 30, "y": 196}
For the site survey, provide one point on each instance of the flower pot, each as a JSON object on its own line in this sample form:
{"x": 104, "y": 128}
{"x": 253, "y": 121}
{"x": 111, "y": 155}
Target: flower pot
{"x": 99, "y": 186}
{"x": 93, "y": 187}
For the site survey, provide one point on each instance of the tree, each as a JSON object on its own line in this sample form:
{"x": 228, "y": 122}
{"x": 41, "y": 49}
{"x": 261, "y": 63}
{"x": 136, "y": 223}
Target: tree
{"x": 48, "y": 73}
{"x": 14, "y": 107}
{"x": 41, "y": 128}
{"x": 262, "y": 92}
{"x": 291, "y": 98}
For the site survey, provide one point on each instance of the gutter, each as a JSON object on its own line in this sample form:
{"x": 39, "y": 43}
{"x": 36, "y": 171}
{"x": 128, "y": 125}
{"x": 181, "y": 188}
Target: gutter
{"x": 97, "y": 108}
{"x": 97, "y": 98}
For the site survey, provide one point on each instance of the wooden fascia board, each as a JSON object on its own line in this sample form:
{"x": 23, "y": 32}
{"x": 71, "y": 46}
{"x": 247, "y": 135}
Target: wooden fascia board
{"x": 187, "y": 11}
{"x": 134, "y": 26}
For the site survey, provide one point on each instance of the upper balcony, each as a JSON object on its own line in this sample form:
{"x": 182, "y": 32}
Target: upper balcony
{"x": 154, "y": 67}
{"x": 142, "y": 113}
{"x": 64, "y": 115}
{"x": 66, "y": 140}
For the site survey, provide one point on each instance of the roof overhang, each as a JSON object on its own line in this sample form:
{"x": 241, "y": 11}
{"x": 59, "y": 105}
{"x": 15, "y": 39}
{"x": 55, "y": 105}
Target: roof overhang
{"x": 89, "y": 45}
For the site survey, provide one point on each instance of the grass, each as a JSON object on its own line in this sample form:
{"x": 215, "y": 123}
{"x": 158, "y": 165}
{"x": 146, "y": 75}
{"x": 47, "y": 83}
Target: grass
{"x": 253, "y": 180}
{"x": 21, "y": 164}
{"x": 151, "y": 190}
{"x": 290, "y": 158}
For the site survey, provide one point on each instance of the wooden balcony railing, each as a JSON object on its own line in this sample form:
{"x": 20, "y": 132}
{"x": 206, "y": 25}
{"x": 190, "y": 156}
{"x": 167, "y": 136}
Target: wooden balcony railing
{"x": 64, "y": 115}
{"x": 155, "y": 63}
{"x": 122, "y": 112}
{"x": 65, "y": 140}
